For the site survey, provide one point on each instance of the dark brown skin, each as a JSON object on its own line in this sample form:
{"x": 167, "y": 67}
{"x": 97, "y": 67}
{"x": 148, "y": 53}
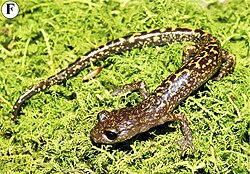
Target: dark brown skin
{"x": 201, "y": 62}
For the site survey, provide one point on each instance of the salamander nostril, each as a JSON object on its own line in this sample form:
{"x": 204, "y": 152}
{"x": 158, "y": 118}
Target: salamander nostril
{"x": 111, "y": 135}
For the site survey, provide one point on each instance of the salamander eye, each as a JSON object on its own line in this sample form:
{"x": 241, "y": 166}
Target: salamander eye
{"x": 110, "y": 134}
{"x": 102, "y": 116}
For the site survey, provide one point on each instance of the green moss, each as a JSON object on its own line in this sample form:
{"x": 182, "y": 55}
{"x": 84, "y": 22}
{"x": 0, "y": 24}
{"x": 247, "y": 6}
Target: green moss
{"x": 52, "y": 135}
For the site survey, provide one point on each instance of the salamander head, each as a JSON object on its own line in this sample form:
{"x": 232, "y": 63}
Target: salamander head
{"x": 114, "y": 127}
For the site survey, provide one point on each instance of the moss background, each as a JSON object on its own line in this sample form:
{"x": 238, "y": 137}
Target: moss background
{"x": 52, "y": 134}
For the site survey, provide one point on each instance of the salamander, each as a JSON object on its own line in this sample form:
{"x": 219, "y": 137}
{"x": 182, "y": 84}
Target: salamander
{"x": 203, "y": 60}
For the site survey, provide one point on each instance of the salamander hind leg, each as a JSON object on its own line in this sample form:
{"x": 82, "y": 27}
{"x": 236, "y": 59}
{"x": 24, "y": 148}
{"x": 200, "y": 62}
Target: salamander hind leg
{"x": 186, "y": 141}
{"x": 189, "y": 51}
{"x": 228, "y": 63}
{"x": 141, "y": 86}
{"x": 92, "y": 74}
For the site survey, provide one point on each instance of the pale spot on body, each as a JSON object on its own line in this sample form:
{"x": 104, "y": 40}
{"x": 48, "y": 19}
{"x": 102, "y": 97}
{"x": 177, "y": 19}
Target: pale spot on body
{"x": 163, "y": 30}
{"x": 156, "y": 38}
{"x": 131, "y": 39}
{"x": 122, "y": 40}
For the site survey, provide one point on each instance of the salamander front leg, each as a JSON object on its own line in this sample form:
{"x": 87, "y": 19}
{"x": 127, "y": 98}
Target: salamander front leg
{"x": 186, "y": 141}
{"x": 228, "y": 63}
{"x": 141, "y": 86}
